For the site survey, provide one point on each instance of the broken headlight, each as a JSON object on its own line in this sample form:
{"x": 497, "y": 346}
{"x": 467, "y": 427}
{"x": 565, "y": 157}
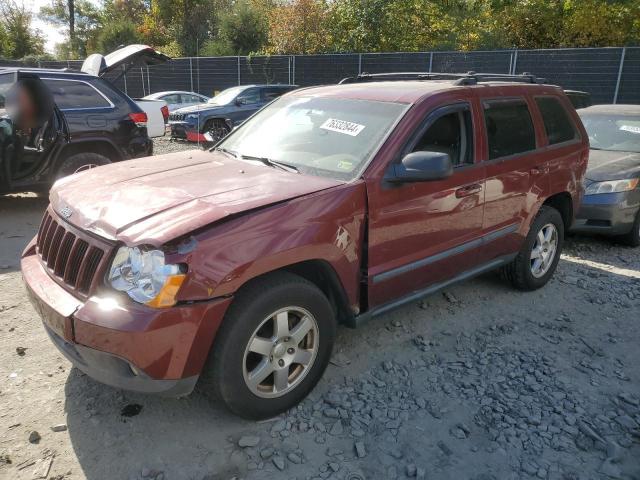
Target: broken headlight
{"x": 145, "y": 276}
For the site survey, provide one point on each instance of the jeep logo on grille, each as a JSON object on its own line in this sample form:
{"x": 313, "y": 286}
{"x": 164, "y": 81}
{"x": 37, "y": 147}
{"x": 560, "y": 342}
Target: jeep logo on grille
{"x": 66, "y": 212}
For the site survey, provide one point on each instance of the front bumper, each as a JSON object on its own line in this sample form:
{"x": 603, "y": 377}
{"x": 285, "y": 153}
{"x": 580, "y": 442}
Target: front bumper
{"x": 186, "y": 131}
{"x": 124, "y": 344}
{"x": 608, "y": 213}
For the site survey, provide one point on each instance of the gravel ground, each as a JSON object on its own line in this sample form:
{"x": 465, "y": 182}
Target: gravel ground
{"x": 480, "y": 382}
{"x": 162, "y": 145}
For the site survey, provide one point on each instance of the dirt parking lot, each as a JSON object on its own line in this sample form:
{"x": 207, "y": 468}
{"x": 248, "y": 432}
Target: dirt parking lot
{"x": 480, "y": 382}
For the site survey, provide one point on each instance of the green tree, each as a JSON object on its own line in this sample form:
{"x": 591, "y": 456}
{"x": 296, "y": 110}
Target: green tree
{"x": 241, "y": 31}
{"x": 20, "y": 38}
{"x": 86, "y": 23}
{"x": 115, "y": 34}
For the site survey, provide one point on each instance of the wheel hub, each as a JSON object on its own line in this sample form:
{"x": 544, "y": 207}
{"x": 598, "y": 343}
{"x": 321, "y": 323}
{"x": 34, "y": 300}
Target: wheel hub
{"x": 280, "y": 352}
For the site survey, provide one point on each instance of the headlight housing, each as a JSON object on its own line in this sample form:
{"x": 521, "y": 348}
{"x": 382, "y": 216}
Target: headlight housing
{"x": 192, "y": 116}
{"x": 612, "y": 186}
{"x": 145, "y": 276}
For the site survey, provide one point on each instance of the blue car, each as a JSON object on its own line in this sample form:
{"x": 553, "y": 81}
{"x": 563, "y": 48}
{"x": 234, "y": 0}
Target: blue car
{"x": 223, "y": 112}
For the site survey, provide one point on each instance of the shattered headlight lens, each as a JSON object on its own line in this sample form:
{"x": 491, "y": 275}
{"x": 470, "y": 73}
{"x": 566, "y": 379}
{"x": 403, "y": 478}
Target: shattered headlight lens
{"x": 612, "y": 186}
{"x": 145, "y": 276}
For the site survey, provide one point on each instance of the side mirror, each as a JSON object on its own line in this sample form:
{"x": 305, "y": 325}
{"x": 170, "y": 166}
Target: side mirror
{"x": 422, "y": 167}
{"x": 240, "y": 101}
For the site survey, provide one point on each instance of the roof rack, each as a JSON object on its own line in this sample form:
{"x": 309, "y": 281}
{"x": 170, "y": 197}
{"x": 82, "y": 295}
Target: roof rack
{"x": 469, "y": 78}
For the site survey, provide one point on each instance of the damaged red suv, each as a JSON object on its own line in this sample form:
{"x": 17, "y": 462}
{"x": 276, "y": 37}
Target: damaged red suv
{"x": 232, "y": 268}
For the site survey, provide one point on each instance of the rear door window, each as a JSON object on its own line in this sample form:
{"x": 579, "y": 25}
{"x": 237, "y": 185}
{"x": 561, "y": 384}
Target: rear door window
{"x": 75, "y": 95}
{"x": 271, "y": 93}
{"x": 6, "y": 82}
{"x": 557, "y": 123}
{"x": 509, "y": 128}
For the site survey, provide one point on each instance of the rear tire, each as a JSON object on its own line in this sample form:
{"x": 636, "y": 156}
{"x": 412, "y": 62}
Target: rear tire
{"x": 633, "y": 237}
{"x": 281, "y": 326}
{"x": 79, "y": 162}
{"x": 538, "y": 258}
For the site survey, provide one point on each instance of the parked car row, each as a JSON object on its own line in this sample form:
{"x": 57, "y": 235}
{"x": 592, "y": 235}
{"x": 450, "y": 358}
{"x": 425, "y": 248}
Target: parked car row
{"x": 328, "y": 205}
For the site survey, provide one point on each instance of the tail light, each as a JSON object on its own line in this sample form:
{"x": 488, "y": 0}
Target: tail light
{"x": 165, "y": 113}
{"x": 140, "y": 118}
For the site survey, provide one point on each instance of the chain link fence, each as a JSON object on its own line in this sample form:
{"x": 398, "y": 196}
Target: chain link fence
{"x": 610, "y": 75}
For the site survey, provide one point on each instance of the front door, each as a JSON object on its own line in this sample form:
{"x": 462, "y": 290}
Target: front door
{"x": 30, "y": 127}
{"x": 422, "y": 233}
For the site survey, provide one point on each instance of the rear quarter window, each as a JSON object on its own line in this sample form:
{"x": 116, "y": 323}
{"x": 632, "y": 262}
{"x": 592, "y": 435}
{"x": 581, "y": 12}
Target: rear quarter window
{"x": 75, "y": 95}
{"x": 509, "y": 128}
{"x": 557, "y": 123}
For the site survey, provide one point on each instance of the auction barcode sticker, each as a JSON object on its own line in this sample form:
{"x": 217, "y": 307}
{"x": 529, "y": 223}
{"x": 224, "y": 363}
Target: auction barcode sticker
{"x": 342, "y": 126}
{"x": 630, "y": 128}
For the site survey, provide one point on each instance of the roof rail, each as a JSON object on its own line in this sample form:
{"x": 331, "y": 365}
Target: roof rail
{"x": 469, "y": 78}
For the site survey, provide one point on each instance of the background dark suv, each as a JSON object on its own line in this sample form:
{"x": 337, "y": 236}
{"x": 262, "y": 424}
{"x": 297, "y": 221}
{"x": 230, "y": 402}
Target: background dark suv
{"x": 94, "y": 124}
{"x": 223, "y": 112}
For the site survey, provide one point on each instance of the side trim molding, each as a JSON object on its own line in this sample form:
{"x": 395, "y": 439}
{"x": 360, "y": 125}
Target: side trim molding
{"x": 486, "y": 267}
{"x": 478, "y": 242}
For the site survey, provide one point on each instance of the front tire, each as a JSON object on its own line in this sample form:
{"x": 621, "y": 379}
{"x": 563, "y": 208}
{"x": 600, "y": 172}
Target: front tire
{"x": 272, "y": 348}
{"x": 79, "y": 162}
{"x": 538, "y": 258}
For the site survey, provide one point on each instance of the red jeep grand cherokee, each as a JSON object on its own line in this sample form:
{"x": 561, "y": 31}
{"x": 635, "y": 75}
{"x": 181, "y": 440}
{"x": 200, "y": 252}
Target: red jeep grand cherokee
{"x": 331, "y": 205}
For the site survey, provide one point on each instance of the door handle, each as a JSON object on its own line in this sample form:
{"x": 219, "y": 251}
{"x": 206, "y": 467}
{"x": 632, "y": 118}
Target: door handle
{"x": 535, "y": 171}
{"x": 468, "y": 190}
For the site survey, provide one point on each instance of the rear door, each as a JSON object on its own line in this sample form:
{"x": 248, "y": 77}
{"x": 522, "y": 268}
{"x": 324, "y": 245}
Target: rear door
{"x": 516, "y": 172}
{"x": 423, "y": 233}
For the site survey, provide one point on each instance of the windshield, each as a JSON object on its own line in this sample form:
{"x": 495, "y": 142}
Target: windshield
{"x": 332, "y": 137}
{"x": 613, "y": 132}
{"x": 226, "y": 96}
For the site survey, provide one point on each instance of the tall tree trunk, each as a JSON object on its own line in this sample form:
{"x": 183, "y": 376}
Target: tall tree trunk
{"x": 72, "y": 25}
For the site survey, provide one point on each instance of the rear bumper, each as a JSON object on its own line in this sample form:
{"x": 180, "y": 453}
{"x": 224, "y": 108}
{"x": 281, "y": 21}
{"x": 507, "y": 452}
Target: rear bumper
{"x": 608, "y": 214}
{"x": 123, "y": 344}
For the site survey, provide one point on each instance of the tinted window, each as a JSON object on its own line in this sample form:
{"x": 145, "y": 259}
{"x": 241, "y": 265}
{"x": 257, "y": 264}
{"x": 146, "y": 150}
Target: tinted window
{"x": 509, "y": 128}
{"x": 450, "y": 134}
{"x": 191, "y": 99}
{"x": 6, "y": 81}
{"x": 273, "y": 93}
{"x": 557, "y": 124}
{"x": 71, "y": 94}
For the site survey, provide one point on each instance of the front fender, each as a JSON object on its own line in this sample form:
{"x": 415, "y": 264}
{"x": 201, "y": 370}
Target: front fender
{"x": 327, "y": 225}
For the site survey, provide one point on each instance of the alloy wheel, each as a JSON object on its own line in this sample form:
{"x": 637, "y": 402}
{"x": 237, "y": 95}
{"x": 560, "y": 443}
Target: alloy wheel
{"x": 544, "y": 250}
{"x": 280, "y": 352}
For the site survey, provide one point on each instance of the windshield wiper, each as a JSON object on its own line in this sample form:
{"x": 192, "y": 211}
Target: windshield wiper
{"x": 231, "y": 153}
{"x": 272, "y": 163}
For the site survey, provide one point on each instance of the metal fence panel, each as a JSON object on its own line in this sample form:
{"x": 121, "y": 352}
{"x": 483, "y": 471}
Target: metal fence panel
{"x": 265, "y": 69}
{"x": 630, "y": 79}
{"x": 395, "y": 62}
{"x": 594, "y": 70}
{"x": 461, "y": 62}
{"x": 324, "y": 69}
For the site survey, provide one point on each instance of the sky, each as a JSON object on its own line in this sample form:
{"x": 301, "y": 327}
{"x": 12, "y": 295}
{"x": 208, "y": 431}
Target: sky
{"x": 52, "y": 34}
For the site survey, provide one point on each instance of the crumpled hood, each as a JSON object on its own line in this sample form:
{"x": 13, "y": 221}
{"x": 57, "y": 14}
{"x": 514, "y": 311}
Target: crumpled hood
{"x": 610, "y": 165}
{"x": 156, "y": 199}
{"x": 199, "y": 108}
